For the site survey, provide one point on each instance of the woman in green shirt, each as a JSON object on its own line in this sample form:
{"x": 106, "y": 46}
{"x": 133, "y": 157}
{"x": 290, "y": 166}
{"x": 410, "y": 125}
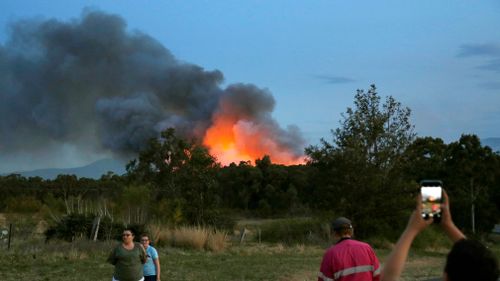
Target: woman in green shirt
{"x": 128, "y": 258}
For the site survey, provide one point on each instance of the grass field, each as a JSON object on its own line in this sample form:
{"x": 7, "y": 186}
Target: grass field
{"x": 30, "y": 258}
{"x": 85, "y": 261}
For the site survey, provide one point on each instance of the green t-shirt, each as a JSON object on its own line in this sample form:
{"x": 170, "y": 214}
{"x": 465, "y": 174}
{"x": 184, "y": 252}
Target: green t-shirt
{"x": 128, "y": 263}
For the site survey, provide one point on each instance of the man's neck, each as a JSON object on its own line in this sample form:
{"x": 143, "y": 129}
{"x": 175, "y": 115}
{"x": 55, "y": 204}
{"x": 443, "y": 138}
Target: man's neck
{"x": 342, "y": 238}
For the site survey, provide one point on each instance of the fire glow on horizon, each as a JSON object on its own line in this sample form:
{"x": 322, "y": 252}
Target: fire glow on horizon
{"x": 231, "y": 140}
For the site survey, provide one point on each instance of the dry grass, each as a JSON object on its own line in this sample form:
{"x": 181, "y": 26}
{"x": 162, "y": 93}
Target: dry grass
{"x": 217, "y": 241}
{"x": 192, "y": 237}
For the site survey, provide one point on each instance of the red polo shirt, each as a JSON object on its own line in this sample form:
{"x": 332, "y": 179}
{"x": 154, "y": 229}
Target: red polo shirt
{"x": 349, "y": 260}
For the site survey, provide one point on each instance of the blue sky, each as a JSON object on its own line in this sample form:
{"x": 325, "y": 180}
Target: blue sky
{"x": 440, "y": 58}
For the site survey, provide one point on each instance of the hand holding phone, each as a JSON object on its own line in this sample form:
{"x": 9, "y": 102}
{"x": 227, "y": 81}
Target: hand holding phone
{"x": 432, "y": 198}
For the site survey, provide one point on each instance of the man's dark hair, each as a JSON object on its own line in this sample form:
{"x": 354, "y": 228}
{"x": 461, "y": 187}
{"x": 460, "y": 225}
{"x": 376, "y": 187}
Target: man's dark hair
{"x": 471, "y": 260}
{"x": 341, "y": 226}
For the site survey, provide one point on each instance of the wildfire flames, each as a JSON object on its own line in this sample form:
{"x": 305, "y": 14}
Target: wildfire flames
{"x": 232, "y": 140}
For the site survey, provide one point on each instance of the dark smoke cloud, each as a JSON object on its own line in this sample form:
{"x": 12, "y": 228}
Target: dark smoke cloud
{"x": 91, "y": 82}
{"x": 246, "y": 102}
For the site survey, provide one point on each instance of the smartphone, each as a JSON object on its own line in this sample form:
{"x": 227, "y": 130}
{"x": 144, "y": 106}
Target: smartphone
{"x": 432, "y": 198}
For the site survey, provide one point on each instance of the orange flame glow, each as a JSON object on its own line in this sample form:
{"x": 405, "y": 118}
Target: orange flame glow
{"x": 231, "y": 140}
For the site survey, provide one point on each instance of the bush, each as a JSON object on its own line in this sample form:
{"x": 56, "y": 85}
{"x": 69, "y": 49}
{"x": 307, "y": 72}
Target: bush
{"x": 23, "y": 204}
{"x": 219, "y": 219}
{"x": 295, "y": 231}
{"x": 70, "y": 227}
{"x": 77, "y": 226}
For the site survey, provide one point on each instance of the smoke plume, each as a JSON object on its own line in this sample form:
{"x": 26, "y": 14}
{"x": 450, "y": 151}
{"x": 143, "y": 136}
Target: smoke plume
{"x": 92, "y": 84}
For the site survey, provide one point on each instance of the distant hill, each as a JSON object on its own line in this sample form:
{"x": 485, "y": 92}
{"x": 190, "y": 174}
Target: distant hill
{"x": 494, "y": 143}
{"x": 94, "y": 170}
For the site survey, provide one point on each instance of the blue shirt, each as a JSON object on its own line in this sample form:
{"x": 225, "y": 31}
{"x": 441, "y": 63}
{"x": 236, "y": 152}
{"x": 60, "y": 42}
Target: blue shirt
{"x": 149, "y": 266}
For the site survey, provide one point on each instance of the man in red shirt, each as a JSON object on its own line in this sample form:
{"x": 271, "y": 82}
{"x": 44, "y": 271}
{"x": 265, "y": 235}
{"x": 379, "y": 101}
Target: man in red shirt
{"x": 348, "y": 259}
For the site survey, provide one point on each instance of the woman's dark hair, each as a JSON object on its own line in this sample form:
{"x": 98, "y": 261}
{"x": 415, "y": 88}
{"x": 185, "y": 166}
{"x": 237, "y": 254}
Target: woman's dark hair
{"x": 471, "y": 260}
{"x": 131, "y": 230}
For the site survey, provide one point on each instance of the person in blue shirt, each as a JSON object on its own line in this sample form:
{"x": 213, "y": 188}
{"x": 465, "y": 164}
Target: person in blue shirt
{"x": 152, "y": 265}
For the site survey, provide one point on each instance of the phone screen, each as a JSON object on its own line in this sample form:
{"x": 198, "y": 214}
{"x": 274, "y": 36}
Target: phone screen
{"x": 432, "y": 197}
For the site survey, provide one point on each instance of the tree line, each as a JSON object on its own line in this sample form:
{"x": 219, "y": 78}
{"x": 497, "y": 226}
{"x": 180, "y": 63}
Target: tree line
{"x": 368, "y": 171}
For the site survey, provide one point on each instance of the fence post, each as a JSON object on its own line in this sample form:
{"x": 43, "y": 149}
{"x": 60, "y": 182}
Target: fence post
{"x": 10, "y": 234}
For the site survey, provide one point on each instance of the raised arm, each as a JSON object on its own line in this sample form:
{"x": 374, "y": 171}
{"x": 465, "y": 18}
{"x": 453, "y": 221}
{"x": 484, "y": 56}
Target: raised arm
{"x": 394, "y": 263}
{"x": 447, "y": 223}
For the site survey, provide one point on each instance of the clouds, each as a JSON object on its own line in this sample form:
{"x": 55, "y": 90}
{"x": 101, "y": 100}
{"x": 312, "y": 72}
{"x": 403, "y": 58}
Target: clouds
{"x": 334, "y": 79}
{"x": 489, "y": 52}
{"x": 483, "y": 50}
{"x": 491, "y": 65}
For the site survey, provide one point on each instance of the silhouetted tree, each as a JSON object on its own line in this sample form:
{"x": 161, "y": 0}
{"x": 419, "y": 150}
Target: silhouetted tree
{"x": 359, "y": 174}
{"x": 471, "y": 181}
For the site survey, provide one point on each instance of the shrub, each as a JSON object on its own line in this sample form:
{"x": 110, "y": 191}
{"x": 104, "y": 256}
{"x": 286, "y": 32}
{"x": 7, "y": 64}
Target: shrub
{"x": 23, "y": 204}
{"x": 70, "y": 227}
{"x": 294, "y": 231}
{"x": 75, "y": 226}
{"x": 219, "y": 219}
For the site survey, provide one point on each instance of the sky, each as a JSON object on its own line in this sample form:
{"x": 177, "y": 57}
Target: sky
{"x": 439, "y": 58}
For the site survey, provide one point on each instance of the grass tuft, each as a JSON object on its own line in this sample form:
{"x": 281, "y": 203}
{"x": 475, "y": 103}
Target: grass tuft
{"x": 193, "y": 237}
{"x": 217, "y": 241}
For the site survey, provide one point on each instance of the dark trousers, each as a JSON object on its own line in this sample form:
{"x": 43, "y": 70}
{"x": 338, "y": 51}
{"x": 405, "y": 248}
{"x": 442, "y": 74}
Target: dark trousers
{"x": 150, "y": 278}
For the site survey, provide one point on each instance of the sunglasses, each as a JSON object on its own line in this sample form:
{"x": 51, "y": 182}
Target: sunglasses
{"x": 144, "y": 240}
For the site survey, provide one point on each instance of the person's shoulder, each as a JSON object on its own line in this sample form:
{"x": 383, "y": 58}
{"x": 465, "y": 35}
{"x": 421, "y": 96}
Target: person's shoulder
{"x": 154, "y": 252}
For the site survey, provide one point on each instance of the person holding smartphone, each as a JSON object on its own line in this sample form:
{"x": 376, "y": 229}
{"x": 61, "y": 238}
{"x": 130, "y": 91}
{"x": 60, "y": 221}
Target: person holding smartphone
{"x": 467, "y": 260}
